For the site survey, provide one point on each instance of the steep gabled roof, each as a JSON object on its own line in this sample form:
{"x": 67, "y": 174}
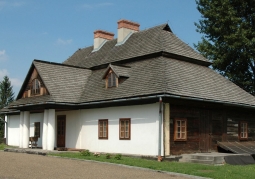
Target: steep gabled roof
{"x": 64, "y": 83}
{"x": 149, "y": 41}
{"x": 72, "y": 82}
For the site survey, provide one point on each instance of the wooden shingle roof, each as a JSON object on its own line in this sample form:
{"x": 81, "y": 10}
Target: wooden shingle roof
{"x": 80, "y": 80}
{"x": 152, "y": 40}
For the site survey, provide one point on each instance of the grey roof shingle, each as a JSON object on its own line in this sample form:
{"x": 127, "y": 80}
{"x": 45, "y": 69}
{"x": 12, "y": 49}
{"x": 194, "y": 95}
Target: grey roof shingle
{"x": 120, "y": 71}
{"x": 145, "y": 42}
{"x": 64, "y": 83}
{"x": 32, "y": 100}
{"x": 159, "y": 75}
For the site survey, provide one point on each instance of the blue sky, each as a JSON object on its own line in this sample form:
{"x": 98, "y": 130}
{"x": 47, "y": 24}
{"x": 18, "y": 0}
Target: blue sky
{"x": 53, "y": 30}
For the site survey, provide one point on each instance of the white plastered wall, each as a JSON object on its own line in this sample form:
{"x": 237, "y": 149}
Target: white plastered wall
{"x": 13, "y": 128}
{"x": 36, "y": 117}
{"x": 82, "y": 129}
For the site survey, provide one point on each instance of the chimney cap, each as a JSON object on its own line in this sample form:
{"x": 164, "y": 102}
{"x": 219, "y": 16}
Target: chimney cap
{"x": 103, "y": 34}
{"x": 123, "y": 23}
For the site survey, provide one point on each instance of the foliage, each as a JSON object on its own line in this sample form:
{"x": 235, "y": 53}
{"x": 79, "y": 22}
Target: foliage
{"x": 118, "y": 156}
{"x": 6, "y": 97}
{"x": 85, "y": 153}
{"x": 6, "y": 92}
{"x": 228, "y": 27}
{"x": 216, "y": 172}
{"x": 107, "y": 156}
{"x": 2, "y": 146}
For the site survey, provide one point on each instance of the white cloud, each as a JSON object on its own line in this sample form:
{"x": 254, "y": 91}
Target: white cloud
{"x": 16, "y": 82}
{"x": 17, "y": 4}
{"x": 64, "y": 42}
{"x": 2, "y": 4}
{"x": 92, "y": 6}
{"x": 3, "y": 73}
{"x": 7, "y": 4}
{"x": 3, "y": 55}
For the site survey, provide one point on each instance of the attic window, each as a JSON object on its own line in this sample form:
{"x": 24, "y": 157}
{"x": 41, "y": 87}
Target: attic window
{"x": 35, "y": 87}
{"x": 111, "y": 80}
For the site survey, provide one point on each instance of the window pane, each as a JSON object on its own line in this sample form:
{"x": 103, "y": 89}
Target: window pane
{"x": 109, "y": 80}
{"x": 113, "y": 80}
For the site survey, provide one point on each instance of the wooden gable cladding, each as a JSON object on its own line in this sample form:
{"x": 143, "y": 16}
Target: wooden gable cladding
{"x": 28, "y": 90}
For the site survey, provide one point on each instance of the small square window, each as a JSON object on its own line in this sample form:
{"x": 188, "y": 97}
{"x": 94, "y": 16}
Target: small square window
{"x": 124, "y": 130}
{"x": 180, "y": 129}
{"x": 103, "y": 129}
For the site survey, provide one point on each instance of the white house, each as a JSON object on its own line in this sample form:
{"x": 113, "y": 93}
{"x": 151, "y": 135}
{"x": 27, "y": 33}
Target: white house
{"x": 143, "y": 93}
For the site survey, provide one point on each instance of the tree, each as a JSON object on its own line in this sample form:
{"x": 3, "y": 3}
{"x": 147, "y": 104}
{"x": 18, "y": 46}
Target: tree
{"x": 6, "y": 92}
{"x": 6, "y": 97}
{"x": 228, "y": 28}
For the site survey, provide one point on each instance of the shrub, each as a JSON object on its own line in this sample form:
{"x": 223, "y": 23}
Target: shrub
{"x": 118, "y": 156}
{"x": 85, "y": 153}
{"x": 107, "y": 156}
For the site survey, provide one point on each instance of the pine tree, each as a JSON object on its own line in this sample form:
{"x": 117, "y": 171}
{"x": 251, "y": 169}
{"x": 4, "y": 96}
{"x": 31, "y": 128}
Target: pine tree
{"x": 6, "y": 97}
{"x": 228, "y": 27}
{"x": 6, "y": 92}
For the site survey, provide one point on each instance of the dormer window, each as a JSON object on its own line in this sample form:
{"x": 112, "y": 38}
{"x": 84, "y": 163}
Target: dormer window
{"x": 112, "y": 82}
{"x": 35, "y": 87}
{"x": 115, "y": 75}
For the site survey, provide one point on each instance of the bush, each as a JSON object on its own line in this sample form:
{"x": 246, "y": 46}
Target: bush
{"x": 107, "y": 156}
{"x": 118, "y": 156}
{"x": 85, "y": 153}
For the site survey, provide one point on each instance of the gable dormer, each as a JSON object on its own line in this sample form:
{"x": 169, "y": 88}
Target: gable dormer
{"x": 115, "y": 75}
{"x": 34, "y": 86}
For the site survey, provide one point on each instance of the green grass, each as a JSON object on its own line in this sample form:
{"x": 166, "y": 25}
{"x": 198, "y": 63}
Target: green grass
{"x": 216, "y": 172}
{"x": 2, "y": 146}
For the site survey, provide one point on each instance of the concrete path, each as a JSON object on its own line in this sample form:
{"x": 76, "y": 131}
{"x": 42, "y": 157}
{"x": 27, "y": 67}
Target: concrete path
{"x": 19, "y": 165}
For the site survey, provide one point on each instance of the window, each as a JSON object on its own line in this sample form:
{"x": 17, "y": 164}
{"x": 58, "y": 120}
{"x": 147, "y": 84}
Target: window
{"x": 112, "y": 80}
{"x": 180, "y": 129}
{"x": 125, "y": 129}
{"x": 35, "y": 87}
{"x": 243, "y": 132}
{"x": 37, "y": 129}
{"x": 103, "y": 129}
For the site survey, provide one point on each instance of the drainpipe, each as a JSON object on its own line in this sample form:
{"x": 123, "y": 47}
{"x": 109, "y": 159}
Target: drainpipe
{"x": 160, "y": 129}
{"x": 6, "y": 130}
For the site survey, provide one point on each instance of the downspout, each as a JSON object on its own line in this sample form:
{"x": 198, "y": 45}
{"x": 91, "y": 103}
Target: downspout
{"x": 6, "y": 130}
{"x": 160, "y": 130}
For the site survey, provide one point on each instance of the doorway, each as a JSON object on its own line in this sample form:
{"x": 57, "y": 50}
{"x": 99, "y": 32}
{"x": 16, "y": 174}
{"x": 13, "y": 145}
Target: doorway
{"x": 61, "y": 131}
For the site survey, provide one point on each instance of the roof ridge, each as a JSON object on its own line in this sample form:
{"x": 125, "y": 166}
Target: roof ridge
{"x": 60, "y": 64}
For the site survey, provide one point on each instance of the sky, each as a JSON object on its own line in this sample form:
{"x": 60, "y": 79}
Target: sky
{"x": 53, "y": 30}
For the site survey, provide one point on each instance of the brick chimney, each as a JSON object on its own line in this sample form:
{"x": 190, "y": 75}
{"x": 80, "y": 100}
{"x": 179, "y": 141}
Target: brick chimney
{"x": 125, "y": 29}
{"x": 100, "y": 37}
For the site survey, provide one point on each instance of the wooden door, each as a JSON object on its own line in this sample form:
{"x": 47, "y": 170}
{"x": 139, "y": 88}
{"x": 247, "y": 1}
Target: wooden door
{"x": 205, "y": 131}
{"x": 61, "y": 131}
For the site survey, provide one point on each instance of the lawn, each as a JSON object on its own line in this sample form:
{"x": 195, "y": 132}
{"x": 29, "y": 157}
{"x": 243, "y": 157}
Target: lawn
{"x": 217, "y": 172}
{"x": 2, "y": 146}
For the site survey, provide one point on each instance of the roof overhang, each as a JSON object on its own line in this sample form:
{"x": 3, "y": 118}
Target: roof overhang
{"x": 169, "y": 98}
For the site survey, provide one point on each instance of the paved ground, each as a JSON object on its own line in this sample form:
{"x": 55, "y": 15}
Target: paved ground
{"x": 19, "y": 165}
